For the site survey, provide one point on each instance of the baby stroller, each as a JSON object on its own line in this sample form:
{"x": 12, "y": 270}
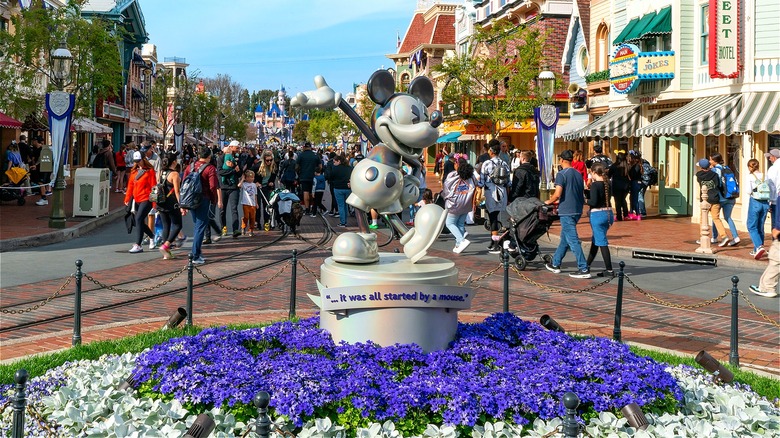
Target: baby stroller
{"x": 285, "y": 209}
{"x": 529, "y": 219}
{"x": 13, "y": 191}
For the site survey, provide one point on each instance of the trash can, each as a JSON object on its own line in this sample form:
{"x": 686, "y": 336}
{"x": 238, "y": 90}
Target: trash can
{"x": 90, "y": 192}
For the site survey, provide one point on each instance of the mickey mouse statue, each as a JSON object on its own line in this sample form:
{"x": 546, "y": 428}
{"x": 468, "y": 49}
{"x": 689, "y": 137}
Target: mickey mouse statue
{"x": 401, "y": 130}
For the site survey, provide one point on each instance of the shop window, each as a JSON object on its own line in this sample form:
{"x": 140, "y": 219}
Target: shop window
{"x": 711, "y": 145}
{"x": 602, "y": 47}
{"x": 582, "y": 61}
{"x": 705, "y": 33}
{"x": 773, "y": 141}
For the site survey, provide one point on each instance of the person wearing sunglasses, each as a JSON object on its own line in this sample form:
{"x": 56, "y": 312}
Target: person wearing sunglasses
{"x": 266, "y": 176}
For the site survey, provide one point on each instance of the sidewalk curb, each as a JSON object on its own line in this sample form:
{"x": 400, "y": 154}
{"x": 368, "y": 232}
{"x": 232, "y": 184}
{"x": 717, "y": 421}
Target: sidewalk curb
{"x": 625, "y": 253}
{"x": 62, "y": 235}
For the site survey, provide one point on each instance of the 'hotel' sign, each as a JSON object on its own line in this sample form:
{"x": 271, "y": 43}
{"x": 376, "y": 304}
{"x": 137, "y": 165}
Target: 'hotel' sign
{"x": 724, "y": 39}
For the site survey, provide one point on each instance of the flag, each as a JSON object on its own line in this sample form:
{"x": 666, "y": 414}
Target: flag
{"x": 398, "y": 37}
{"x": 25, "y": 4}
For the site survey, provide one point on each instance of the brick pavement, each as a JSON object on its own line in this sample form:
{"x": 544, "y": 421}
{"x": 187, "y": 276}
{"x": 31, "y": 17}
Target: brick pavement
{"x": 644, "y": 322}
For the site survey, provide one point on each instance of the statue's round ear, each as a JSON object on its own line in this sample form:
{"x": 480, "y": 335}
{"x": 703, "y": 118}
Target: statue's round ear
{"x": 381, "y": 86}
{"x": 422, "y": 88}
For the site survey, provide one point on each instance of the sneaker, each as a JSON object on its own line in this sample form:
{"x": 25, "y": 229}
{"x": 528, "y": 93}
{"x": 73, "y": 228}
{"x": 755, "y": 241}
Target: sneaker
{"x": 757, "y": 291}
{"x": 198, "y": 261}
{"x": 734, "y": 242}
{"x": 136, "y": 248}
{"x": 608, "y": 273}
{"x": 48, "y": 193}
{"x": 42, "y": 202}
{"x": 466, "y": 234}
{"x": 207, "y": 241}
{"x": 724, "y": 242}
{"x": 236, "y": 234}
{"x": 496, "y": 248}
{"x": 463, "y": 245}
{"x": 342, "y": 225}
{"x": 373, "y": 226}
{"x": 552, "y": 268}
{"x": 145, "y": 241}
{"x": 165, "y": 250}
{"x": 224, "y": 231}
{"x": 153, "y": 243}
{"x": 630, "y": 217}
{"x": 217, "y": 239}
{"x": 582, "y": 273}
{"x": 333, "y": 214}
{"x": 759, "y": 253}
{"x": 182, "y": 239}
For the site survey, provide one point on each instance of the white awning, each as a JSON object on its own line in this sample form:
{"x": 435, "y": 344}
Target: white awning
{"x": 86, "y": 125}
{"x": 706, "y": 116}
{"x": 151, "y": 132}
{"x": 760, "y": 112}
{"x": 570, "y": 128}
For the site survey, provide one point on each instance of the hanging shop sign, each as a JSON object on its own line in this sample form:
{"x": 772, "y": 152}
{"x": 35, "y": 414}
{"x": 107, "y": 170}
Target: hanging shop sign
{"x": 623, "y": 68}
{"x": 629, "y": 67}
{"x": 724, "y": 51}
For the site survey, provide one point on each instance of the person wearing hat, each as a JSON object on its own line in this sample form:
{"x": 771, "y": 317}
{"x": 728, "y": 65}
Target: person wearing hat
{"x": 773, "y": 178}
{"x": 711, "y": 180}
{"x": 229, "y": 173}
{"x": 139, "y": 185}
{"x": 570, "y": 195}
{"x": 496, "y": 193}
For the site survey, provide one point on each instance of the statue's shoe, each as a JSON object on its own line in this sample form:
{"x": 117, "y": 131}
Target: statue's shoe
{"x": 428, "y": 223}
{"x": 356, "y": 248}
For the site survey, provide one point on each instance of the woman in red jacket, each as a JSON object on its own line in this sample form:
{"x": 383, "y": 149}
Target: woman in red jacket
{"x": 139, "y": 185}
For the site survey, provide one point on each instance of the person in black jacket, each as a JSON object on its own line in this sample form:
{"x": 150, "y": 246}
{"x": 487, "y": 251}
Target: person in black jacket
{"x": 339, "y": 178}
{"x": 618, "y": 174}
{"x": 600, "y": 217}
{"x": 229, "y": 173}
{"x": 711, "y": 180}
{"x": 525, "y": 179}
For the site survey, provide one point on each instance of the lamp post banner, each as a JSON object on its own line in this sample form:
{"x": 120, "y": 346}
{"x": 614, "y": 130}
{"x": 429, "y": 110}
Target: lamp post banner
{"x": 59, "y": 105}
{"x": 178, "y": 136}
{"x": 546, "y": 119}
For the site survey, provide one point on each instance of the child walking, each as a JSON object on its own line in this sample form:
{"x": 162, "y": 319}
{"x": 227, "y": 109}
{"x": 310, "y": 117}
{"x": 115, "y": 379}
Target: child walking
{"x": 319, "y": 192}
{"x": 248, "y": 188}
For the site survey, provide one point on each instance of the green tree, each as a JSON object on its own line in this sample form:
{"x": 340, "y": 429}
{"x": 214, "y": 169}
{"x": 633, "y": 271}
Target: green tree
{"x": 327, "y": 121}
{"x": 26, "y": 73}
{"x": 497, "y": 80}
{"x": 301, "y": 131}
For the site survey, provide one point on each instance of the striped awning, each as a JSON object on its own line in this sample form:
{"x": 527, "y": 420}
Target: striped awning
{"x": 572, "y": 126}
{"x": 87, "y": 125}
{"x": 760, "y": 112}
{"x": 706, "y": 116}
{"x": 620, "y": 122}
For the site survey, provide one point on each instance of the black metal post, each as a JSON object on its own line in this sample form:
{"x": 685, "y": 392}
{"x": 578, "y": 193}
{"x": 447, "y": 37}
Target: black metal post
{"x": 263, "y": 424}
{"x": 734, "y": 354}
{"x": 571, "y": 429}
{"x": 294, "y": 274}
{"x": 505, "y": 260}
{"x": 616, "y": 332}
{"x": 189, "y": 290}
{"x": 20, "y": 403}
{"x": 77, "y": 306}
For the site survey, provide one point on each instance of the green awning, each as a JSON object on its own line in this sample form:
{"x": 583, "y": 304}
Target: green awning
{"x": 661, "y": 24}
{"x": 626, "y": 30}
{"x": 641, "y": 27}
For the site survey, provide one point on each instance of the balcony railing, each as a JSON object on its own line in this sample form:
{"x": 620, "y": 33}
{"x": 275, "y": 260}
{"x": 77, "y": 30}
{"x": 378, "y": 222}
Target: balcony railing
{"x": 766, "y": 70}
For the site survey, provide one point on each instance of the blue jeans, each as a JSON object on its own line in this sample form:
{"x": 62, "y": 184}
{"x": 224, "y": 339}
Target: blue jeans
{"x": 200, "y": 217}
{"x": 600, "y": 221}
{"x": 570, "y": 240}
{"x": 456, "y": 223}
{"x": 727, "y": 206}
{"x": 341, "y": 200}
{"x": 636, "y": 193}
{"x": 757, "y": 211}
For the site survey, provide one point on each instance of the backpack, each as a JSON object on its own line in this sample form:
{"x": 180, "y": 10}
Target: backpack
{"x": 191, "y": 190}
{"x": 499, "y": 175}
{"x": 160, "y": 193}
{"x": 649, "y": 174}
{"x": 762, "y": 191}
{"x": 729, "y": 186}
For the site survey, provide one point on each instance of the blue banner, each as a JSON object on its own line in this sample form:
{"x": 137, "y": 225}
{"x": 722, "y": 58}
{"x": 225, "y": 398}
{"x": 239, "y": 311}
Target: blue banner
{"x": 59, "y": 105}
{"x": 546, "y": 119}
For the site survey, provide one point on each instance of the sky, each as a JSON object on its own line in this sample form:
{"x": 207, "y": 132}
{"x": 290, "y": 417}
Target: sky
{"x": 264, "y": 44}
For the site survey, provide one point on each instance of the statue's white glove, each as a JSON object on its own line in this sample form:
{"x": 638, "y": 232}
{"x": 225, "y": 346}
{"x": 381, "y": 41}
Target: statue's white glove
{"x": 323, "y": 97}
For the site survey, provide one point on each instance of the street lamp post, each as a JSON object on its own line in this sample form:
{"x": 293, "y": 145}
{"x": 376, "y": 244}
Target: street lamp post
{"x": 60, "y": 106}
{"x": 546, "y": 119}
{"x": 221, "y": 136}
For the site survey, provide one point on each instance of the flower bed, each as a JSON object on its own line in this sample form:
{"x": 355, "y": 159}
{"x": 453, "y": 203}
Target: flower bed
{"x": 502, "y": 377}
